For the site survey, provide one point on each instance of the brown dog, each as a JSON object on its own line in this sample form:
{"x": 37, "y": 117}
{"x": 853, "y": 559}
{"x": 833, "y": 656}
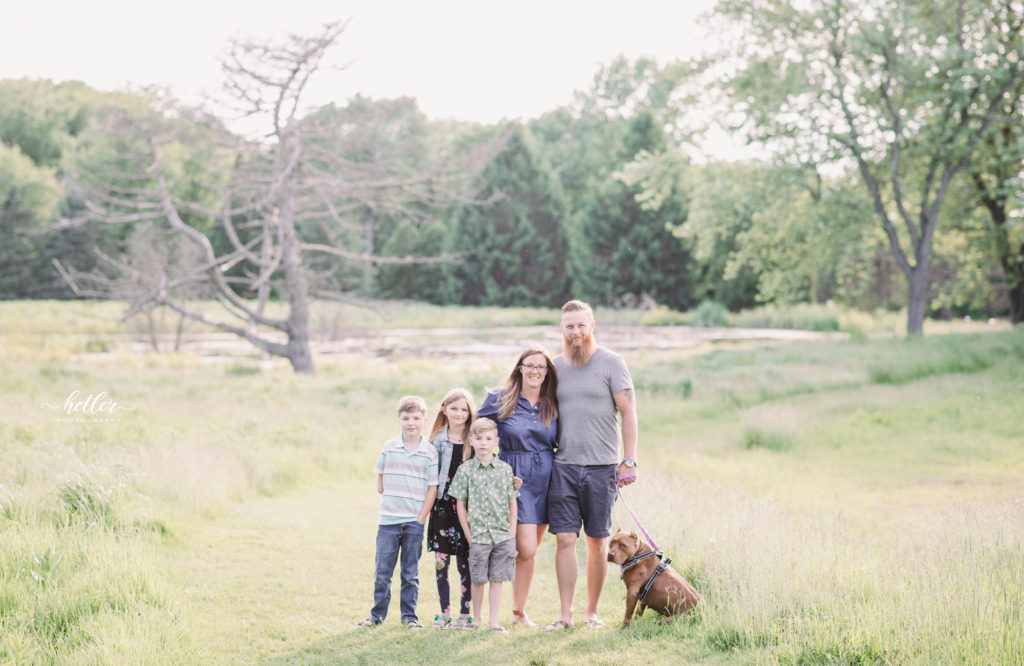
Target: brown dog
{"x": 670, "y": 594}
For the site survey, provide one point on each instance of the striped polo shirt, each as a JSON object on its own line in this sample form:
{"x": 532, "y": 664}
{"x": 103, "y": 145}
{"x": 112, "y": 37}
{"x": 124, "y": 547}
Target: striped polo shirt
{"x": 406, "y": 477}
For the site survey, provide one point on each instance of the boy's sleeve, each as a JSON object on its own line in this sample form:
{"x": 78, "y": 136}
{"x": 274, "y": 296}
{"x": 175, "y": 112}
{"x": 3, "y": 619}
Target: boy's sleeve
{"x": 433, "y": 480}
{"x": 379, "y": 467}
{"x": 513, "y": 493}
{"x": 459, "y": 487}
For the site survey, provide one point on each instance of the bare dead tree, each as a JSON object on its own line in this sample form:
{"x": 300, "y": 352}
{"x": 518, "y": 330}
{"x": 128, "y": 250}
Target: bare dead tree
{"x": 244, "y": 207}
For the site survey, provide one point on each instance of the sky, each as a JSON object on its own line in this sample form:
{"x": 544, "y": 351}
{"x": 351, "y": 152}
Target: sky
{"x": 478, "y": 60}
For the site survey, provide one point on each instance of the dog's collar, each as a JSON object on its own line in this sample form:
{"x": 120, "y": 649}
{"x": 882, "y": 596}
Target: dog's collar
{"x": 636, "y": 559}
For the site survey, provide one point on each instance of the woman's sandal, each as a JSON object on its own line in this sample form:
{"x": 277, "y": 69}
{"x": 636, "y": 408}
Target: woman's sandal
{"x": 441, "y": 621}
{"x": 519, "y": 617}
{"x": 558, "y": 625}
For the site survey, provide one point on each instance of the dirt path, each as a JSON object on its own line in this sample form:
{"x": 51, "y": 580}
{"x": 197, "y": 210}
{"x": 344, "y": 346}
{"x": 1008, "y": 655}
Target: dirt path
{"x": 489, "y": 342}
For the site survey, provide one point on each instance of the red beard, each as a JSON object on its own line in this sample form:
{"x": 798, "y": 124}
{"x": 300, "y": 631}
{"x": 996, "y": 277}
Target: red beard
{"x": 578, "y": 351}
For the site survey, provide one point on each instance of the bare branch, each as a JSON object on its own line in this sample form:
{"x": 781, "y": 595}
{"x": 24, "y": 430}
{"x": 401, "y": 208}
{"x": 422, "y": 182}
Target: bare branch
{"x": 376, "y": 259}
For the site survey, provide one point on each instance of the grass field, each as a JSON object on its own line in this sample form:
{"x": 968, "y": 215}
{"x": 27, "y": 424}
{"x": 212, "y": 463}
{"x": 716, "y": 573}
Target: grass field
{"x": 850, "y": 502}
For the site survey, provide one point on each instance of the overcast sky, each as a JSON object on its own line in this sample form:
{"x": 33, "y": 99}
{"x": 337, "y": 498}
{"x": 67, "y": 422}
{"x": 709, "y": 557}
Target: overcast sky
{"x": 479, "y": 60}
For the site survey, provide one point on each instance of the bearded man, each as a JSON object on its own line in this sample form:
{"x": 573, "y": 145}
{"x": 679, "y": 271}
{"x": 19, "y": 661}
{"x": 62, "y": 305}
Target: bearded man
{"x": 594, "y": 387}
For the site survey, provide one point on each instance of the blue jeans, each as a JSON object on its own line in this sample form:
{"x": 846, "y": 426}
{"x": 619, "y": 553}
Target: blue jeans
{"x": 405, "y": 540}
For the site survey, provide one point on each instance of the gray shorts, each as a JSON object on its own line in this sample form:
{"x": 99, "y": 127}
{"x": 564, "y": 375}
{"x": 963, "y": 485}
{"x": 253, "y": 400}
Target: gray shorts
{"x": 582, "y": 495}
{"x": 494, "y": 562}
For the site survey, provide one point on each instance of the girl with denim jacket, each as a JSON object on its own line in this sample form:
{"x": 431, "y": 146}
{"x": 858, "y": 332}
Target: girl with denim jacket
{"x": 444, "y": 534}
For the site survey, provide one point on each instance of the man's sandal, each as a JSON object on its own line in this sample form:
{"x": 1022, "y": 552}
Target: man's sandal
{"x": 594, "y": 623}
{"x": 558, "y": 625}
{"x": 519, "y": 617}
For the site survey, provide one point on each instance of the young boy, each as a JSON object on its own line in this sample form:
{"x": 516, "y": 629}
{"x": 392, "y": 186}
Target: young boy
{"x": 407, "y": 482}
{"x": 486, "y": 504}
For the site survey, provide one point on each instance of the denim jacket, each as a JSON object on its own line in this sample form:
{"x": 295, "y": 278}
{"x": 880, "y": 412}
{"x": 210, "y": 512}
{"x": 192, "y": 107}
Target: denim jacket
{"x": 444, "y": 460}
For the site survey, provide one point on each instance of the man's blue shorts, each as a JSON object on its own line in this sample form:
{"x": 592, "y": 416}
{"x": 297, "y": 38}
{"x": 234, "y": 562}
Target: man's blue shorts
{"x": 582, "y": 494}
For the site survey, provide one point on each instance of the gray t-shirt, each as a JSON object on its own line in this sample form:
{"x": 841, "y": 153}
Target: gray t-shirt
{"x": 587, "y": 418}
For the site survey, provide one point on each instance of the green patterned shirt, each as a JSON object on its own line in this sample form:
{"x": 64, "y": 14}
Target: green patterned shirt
{"x": 487, "y": 490}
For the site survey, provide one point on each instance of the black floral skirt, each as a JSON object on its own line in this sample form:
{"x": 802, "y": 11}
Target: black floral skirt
{"x": 444, "y": 534}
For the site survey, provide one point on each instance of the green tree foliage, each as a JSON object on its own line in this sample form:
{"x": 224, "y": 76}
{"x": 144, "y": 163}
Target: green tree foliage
{"x": 782, "y": 231}
{"x": 623, "y": 250}
{"x": 620, "y": 251}
{"x": 413, "y": 280}
{"x": 29, "y": 198}
{"x": 42, "y": 118}
{"x": 995, "y": 177}
{"x": 48, "y": 125}
{"x": 903, "y": 90}
{"x": 511, "y": 245}
{"x": 392, "y": 138}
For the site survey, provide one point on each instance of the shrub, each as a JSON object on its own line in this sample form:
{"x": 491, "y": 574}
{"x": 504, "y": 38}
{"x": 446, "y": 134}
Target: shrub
{"x": 710, "y": 314}
{"x": 754, "y": 438}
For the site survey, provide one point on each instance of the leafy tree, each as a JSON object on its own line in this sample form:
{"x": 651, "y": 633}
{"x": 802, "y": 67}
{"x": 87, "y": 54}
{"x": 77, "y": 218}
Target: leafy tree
{"x": 512, "y": 245}
{"x": 43, "y": 119}
{"x": 392, "y": 138}
{"x": 620, "y": 250}
{"x": 47, "y": 124}
{"x": 995, "y": 177}
{"x": 904, "y": 91}
{"x": 414, "y": 281}
{"x": 29, "y": 199}
{"x": 623, "y": 250}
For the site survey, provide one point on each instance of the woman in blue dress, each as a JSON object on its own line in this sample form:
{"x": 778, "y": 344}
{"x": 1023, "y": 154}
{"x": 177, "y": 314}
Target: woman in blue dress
{"x": 526, "y": 410}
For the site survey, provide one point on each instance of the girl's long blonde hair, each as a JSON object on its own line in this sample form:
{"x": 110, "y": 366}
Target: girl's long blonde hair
{"x": 441, "y": 421}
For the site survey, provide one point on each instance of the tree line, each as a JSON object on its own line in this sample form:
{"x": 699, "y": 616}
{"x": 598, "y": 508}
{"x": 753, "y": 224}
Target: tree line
{"x": 892, "y": 136}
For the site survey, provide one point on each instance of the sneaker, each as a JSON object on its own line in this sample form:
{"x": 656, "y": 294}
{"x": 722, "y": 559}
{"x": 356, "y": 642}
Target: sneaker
{"x": 441, "y": 622}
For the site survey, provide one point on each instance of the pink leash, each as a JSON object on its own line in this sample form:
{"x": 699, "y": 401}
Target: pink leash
{"x": 637, "y": 521}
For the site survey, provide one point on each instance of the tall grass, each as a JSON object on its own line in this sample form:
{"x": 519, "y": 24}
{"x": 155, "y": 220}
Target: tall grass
{"x": 787, "y": 587}
{"x": 839, "y": 502}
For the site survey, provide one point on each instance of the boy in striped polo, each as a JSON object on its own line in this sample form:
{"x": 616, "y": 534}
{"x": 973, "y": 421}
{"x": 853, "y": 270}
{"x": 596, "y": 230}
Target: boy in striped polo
{"x": 407, "y": 482}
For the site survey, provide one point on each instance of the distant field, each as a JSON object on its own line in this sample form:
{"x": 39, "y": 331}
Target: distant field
{"x": 855, "y": 500}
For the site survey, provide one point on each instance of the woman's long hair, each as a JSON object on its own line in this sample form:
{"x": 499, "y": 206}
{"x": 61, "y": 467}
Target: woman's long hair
{"x": 441, "y": 421}
{"x": 508, "y": 394}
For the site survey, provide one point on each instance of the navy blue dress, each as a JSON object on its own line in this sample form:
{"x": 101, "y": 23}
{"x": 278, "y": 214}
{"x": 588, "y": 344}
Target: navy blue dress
{"x": 526, "y": 444}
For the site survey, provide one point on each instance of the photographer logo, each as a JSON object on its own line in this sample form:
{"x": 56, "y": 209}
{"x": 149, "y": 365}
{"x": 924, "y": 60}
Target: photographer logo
{"x": 92, "y": 408}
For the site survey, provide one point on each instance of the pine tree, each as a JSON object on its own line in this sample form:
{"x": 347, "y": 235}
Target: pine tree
{"x": 512, "y": 246}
